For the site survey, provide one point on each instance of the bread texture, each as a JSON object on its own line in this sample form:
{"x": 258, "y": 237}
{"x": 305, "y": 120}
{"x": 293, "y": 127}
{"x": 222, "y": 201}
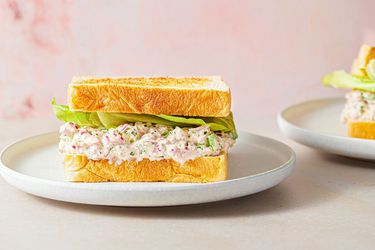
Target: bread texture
{"x": 365, "y": 55}
{"x": 363, "y": 129}
{"x": 78, "y": 168}
{"x": 184, "y": 96}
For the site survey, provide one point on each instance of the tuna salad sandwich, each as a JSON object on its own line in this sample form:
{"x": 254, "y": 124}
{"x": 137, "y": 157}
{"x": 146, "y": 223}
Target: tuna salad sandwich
{"x": 359, "y": 111}
{"x": 146, "y": 129}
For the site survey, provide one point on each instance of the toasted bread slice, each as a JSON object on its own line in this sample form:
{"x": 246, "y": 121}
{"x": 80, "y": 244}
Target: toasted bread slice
{"x": 185, "y": 96}
{"x": 357, "y": 70}
{"x": 203, "y": 169}
{"x": 365, "y": 55}
{"x": 363, "y": 129}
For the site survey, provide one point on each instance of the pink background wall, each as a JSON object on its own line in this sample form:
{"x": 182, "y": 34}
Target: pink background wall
{"x": 272, "y": 53}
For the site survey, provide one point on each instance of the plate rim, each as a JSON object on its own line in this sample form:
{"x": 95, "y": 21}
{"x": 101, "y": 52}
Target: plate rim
{"x": 282, "y": 118}
{"x": 335, "y": 144}
{"x": 142, "y": 186}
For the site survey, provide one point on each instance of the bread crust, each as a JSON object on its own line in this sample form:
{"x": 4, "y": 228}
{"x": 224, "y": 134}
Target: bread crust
{"x": 78, "y": 168}
{"x": 365, "y": 55}
{"x": 363, "y": 129}
{"x": 185, "y": 97}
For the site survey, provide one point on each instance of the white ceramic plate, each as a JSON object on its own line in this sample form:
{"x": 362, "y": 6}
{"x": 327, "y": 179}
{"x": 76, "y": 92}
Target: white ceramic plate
{"x": 317, "y": 124}
{"x": 255, "y": 163}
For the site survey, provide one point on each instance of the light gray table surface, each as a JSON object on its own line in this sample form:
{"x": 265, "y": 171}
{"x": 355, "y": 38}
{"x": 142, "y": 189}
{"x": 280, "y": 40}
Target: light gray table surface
{"x": 327, "y": 203}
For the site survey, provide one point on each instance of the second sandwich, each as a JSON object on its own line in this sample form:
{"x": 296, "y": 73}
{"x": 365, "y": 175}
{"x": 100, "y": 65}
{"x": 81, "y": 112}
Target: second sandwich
{"x": 359, "y": 110}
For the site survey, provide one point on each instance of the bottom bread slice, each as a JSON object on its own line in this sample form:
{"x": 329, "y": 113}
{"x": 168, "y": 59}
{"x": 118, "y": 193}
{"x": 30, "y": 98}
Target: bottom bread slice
{"x": 78, "y": 168}
{"x": 365, "y": 130}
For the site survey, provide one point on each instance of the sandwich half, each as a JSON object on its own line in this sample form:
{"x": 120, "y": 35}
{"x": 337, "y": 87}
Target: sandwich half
{"x": 359, "y": 110}
{"x": 146, "y": 129}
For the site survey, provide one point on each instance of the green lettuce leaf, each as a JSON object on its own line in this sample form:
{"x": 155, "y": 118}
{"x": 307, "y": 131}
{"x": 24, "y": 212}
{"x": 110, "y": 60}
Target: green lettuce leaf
{"x": 63, "y": 113}
{"x": 342, "y": 79}
{"x": 111, "y": 120}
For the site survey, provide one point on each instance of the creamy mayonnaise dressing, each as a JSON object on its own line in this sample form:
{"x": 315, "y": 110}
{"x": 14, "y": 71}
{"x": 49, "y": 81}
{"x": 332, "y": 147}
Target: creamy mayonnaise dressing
{"x": 360, "y": 106}
{"x": 142, "y": 141}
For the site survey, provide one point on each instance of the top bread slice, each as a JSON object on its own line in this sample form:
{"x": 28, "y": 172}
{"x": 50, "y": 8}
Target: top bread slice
{"x": 365, "y": 55}
{"x": 184, "y": 96}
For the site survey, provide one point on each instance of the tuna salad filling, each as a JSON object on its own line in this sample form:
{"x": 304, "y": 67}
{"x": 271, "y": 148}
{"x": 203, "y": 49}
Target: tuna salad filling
{"x": 138, "y": 141}
{"x": 360, "y": 106}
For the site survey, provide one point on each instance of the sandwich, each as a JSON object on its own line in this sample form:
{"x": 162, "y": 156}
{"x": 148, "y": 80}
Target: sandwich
{"x": 146, "y": 129}
{"x": 359, "y": 110}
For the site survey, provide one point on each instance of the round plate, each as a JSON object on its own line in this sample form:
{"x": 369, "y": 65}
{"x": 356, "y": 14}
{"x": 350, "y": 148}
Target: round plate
{"x": 255, "y": 163}
{"x": 317, "y": 124}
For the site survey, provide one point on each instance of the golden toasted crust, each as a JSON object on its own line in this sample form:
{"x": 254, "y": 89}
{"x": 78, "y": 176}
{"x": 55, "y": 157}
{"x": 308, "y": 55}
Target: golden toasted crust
{"x": 356, "y": 69}
{"x": 364, "y": 130}
{"x": 204, "y": 169}
{"x": 366, "y": 53}
{"x": 207, "y": 96}
{"x": 148, "y": 81}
